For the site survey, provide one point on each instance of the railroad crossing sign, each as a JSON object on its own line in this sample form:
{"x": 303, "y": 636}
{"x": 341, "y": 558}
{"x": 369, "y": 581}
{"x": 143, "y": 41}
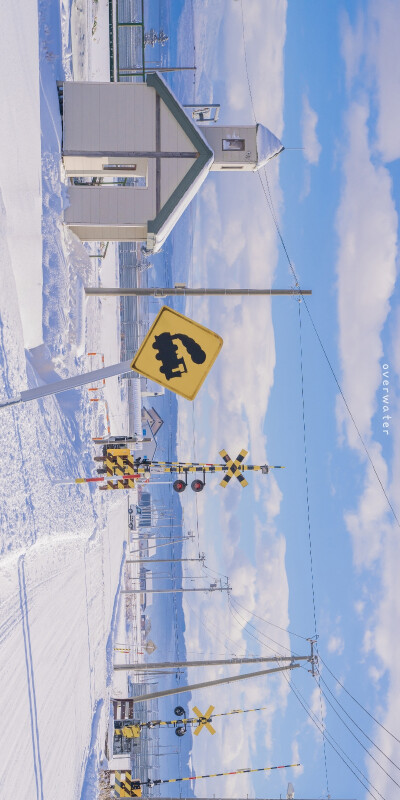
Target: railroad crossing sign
{"x": 204, "y": 720}
{"x": 126, "y": 786}
{"x": 177, "y": 352}
{"x": 121, "y": 470}
{"x": 233, "y": 468}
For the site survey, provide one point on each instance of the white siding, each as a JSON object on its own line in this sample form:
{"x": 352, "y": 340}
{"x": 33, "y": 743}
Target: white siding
{"x": 111, "y": 117}
{"x": 104, "y": 205}
{"x": 173, "y": 138}
{"x": 246, "y": 158}
{"x": 104, "y": 233}
{"x": 172, "y": 172}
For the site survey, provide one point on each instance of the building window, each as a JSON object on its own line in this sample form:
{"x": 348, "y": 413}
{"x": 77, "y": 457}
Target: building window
{"x": 232, "y": 166}
{"x": 233, "y": 144}
{"x": 121, "y": 167}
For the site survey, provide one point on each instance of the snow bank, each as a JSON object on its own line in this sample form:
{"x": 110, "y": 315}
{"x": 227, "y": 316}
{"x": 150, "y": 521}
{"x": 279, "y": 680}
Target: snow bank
{"x": 20, "y": 163}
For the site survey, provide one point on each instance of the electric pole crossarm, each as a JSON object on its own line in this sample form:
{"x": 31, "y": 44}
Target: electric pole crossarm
{"x": 204, "y": 684}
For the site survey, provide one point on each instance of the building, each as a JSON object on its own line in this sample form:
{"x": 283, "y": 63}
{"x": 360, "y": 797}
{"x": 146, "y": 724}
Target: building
{"x": 135, "y": 159}
{"x": 151, "y": 421}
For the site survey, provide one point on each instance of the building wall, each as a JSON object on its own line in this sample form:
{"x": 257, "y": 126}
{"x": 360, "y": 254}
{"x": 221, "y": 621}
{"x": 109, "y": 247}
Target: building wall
{"x": 108, "y": 117}
{"x": 112, "y": 205}
{"x": 240, "y": 159}
{"x": 104, "y": 233}
{"x": 119, "y": 118}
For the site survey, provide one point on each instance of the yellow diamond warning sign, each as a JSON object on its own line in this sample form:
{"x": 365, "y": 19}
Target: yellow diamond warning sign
{"x": 177, "y": 352}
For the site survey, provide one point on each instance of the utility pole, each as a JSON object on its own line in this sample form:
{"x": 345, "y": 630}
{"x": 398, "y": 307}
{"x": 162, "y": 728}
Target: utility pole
{"x": 156, "y": 546}
{"x": 161, "y": 560}
{"x": 205, "y": 684}
{"x": 167, "y": 291}
{"x": 212, "y": 663}
{"x": 212, "y": 588}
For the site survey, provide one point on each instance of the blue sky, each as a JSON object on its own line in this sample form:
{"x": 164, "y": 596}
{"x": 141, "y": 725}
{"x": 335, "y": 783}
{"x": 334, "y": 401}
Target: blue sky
{"x": 323, "y": 76}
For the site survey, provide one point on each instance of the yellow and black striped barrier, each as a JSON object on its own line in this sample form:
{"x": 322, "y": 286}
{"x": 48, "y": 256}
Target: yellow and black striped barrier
{"x": 157, "y": 782}
{"x": 122, "y": 469}
{"x": 200, "y": 720}
{"x": 126, "y": 786}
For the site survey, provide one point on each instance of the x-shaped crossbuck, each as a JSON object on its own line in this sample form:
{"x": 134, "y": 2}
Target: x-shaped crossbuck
{"x": 233, "y": 468}
{"x": 204, "y": 720}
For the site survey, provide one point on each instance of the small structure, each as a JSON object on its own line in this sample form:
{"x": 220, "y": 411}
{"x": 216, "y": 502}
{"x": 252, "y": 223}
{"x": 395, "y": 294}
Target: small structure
{"x": 151, "y": 420}
{"x": 136, "y": 159}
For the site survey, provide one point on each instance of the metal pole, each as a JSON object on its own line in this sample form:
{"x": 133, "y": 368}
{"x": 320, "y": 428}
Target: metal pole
{"x": 173, "y": 591}
{"x": 184, "y": 291}
{"x": 68, "y": 383}
{"x": 214, "y": 663}
{"x": 159, "y": 560}
{"x": 156, "y": 546}
{"x": 204, "y": 684}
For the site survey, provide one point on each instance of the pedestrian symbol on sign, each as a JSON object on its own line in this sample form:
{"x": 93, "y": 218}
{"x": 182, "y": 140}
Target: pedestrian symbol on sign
{"x": 177, "y": 352}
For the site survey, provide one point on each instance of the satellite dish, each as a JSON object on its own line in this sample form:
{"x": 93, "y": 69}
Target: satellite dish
{"x": 290, "y": 792}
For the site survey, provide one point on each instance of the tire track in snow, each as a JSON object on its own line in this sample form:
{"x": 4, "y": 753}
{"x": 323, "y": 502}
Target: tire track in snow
{"x": 37, "y": 763}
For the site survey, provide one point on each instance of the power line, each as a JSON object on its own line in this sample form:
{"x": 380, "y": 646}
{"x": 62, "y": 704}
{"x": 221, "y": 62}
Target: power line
{"x": 358, "y": 703}
{"x": 357, "y": 726}
{"x": 245, "y": 62}
{"x": 358, "y": 740}
{"x": 264, "y": 635}
{"x": 326, "y": 735}
{"x": 328, "y": 361}
{"x": 268, "y": 622}
{"x": 336, "y": 746}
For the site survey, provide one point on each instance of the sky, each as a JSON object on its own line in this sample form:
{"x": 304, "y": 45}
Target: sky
{"x": 312, "y": 386}
{"x": 308, "y": 550}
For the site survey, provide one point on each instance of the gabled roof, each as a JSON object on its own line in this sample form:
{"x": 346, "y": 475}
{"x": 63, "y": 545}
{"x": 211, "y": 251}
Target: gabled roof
{"x": 159, "y": 228}
{"x": 268, "y": 145}
{"x": 154, "y": 420}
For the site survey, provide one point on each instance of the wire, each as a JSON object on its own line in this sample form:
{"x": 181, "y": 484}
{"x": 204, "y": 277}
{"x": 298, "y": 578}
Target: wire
{"x": 236, "y": 613}
{"x": 245, "y": 62}
{"x": 358, "y": 740}
{"x": 329, "y": 738}
{"x": 264, "y": 635}
{"x": 267, "y": 622}
{"x": 328, "y": 361}
{"x": 357, "y": 726}
{"x": 215, "y": 572}
{"x": 217, "y": 636}
{"x": 358, "y": 703}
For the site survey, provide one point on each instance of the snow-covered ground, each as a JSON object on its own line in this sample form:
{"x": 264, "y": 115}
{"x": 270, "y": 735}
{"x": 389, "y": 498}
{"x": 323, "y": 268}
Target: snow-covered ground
{"x": 62, "y": 546}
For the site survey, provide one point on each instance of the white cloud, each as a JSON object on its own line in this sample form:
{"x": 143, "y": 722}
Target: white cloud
{"x": 366, "y": 267}
{"x": 235, "y": 245}
{"x": 309, "y": 120}
{"x": 336, "y": 645}
{"x": 318, "y": 711}
{"x": 370, "y": 51}
{"x": 359, "y": 607}
{"x": 296, "y": 757}
{"x": 383, "y": 48}
{"x": 353, "y": 44}
{"x": 264, "y": 51}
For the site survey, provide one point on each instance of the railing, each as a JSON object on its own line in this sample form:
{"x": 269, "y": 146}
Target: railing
{"x": 127, "y": 45}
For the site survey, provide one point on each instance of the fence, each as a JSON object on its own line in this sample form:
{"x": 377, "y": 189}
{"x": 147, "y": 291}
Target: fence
{"x": 127, "y": 45}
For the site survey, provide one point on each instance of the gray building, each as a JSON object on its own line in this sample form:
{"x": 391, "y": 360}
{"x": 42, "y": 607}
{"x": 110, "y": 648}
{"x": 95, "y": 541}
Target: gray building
{"x": 135, "y": 159}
